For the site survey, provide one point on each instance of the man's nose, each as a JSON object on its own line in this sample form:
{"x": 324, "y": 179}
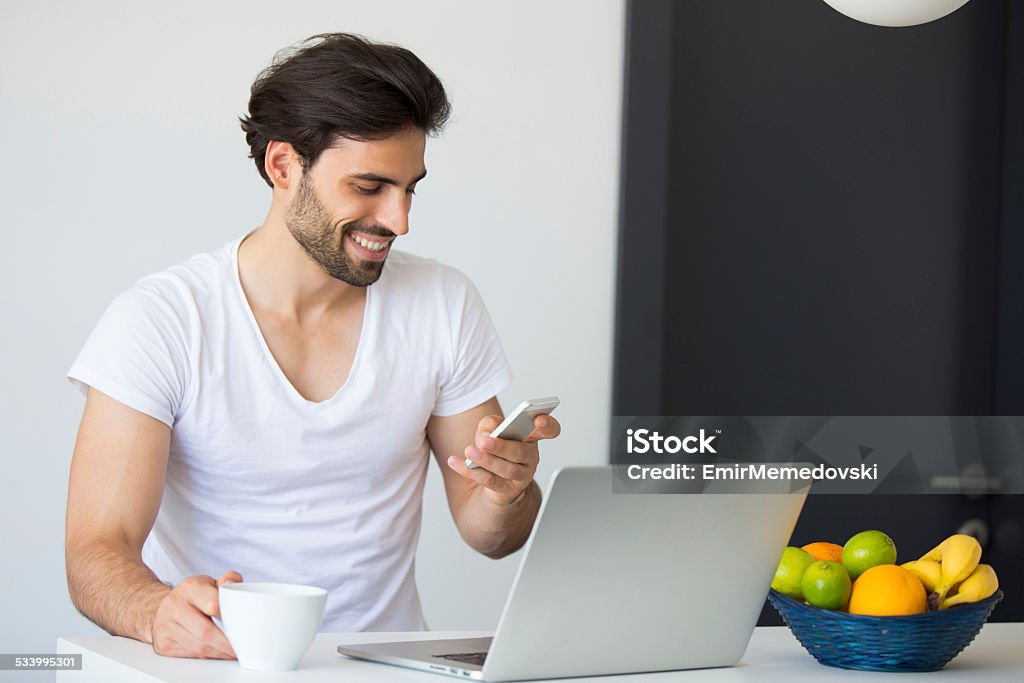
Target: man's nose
{"x": 394, "y": 213}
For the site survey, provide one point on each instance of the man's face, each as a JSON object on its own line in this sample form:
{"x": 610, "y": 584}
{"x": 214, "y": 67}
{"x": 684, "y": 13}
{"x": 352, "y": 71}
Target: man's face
{"x": 354, "y": 201}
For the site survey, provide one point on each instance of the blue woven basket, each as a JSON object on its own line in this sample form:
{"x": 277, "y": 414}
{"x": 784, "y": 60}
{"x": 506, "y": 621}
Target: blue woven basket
{"x": 920, "y": 642}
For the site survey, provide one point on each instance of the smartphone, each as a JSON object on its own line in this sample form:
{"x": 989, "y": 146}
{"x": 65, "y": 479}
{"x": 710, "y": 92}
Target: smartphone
{"x": 519, "y": 423}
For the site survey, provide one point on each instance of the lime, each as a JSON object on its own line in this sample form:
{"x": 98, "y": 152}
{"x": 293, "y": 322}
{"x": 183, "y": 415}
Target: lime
{"x": 826, "y": 584}
{"x": 791, "y": 570}
{"x": 866, "y": 550}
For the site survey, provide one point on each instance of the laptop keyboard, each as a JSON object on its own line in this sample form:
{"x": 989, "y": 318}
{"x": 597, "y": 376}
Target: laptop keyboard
{"x": 476, "y": 658}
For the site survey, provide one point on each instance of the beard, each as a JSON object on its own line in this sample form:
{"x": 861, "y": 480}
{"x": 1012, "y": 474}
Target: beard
{"x": 311, "y": 225}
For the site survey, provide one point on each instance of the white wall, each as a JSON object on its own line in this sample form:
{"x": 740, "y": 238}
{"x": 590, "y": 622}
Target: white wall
{"x": 122, "y": 155}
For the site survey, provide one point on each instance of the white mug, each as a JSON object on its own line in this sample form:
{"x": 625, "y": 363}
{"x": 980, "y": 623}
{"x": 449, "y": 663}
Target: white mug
{"x": 270, "y": 625}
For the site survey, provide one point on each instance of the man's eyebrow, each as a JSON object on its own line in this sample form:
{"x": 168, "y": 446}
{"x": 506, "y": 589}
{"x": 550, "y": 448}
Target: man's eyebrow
{"x": 374, "y": 178}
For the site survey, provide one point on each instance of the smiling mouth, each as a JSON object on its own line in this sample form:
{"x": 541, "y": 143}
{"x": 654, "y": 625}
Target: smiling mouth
{"x": 370, "y": 245}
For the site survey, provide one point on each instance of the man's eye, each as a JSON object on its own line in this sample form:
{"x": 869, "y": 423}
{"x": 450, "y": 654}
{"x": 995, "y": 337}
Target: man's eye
{"x": 411, "y": 191}
{"x": 367, "y": 190}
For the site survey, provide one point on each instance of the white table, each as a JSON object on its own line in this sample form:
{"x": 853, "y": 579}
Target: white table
{"x": 997, "y": 654}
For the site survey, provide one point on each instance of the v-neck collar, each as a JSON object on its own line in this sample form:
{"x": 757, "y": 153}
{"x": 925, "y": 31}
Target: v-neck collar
{"x": 368, "y": 319}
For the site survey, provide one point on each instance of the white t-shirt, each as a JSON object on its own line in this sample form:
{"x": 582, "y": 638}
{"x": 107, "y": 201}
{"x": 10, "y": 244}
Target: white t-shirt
{"x": 265, "y": 482}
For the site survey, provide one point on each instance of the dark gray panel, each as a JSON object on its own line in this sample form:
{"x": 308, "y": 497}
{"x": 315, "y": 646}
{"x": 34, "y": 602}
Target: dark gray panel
{"x": 1010, "y": 343}
{"x": 643, "y": 208}
{"x": 832, "y": 212}
{"x": 843, "y": 231}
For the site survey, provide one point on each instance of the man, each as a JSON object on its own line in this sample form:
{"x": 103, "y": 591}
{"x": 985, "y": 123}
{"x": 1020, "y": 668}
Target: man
{"x": 267, "y": 408}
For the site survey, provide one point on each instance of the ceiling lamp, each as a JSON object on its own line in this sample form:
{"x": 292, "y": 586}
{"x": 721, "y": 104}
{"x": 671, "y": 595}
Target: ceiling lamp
{"x": 896, "y": 12}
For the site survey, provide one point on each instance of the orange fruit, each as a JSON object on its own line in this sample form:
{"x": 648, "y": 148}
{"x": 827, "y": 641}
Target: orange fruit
{"x": 822, "y": 551}
{"x": 887, "y": 590}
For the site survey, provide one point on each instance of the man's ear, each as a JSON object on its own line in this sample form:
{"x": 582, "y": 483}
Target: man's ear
{"x": 282, "y": 164}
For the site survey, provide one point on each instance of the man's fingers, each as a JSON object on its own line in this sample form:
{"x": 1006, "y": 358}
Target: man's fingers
{"x": 182, "y": 625}
{"x": 166, "y": 646}
{"x": 229, "y": 577}
{"x": 206, "y": 639}
{"x": 506, "y": 469}
{"x": 202, "y": 594}
{"x": 181, "y": 630}
{"x": 544, "y": 427}
{"x": 522, "y": 452}
{"x": 481, "y": 476}
{"x": 488, "y": 424}
{"x": 197, "y": 649}
{"x": 204, "y": 600}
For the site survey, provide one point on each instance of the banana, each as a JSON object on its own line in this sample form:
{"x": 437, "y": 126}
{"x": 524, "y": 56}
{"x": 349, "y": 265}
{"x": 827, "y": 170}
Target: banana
{"x": 959, "y": 555}
{"x": 929, "y": 571}
{"x": 982, "y": 583}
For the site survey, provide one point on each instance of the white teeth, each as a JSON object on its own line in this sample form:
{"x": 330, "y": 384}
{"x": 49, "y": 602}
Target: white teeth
{"x": 367, "y": 244}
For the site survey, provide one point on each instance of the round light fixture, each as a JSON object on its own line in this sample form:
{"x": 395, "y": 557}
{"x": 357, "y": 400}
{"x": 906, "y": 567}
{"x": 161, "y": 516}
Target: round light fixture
{"x": 896, "y": 12}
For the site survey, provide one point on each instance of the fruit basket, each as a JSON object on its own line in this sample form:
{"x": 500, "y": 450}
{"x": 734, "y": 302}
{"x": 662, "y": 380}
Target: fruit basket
{"x": 919, "y": 642}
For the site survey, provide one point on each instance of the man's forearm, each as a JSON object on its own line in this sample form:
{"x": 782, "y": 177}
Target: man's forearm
{"x": 114, "y": 589}
{"x": 497, "y": 530}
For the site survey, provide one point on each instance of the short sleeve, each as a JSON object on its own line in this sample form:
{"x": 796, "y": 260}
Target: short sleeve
{"x": 138, "y": 354}
{"x": 479, "y": 369}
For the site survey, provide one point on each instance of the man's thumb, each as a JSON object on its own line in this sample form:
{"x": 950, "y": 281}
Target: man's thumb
{"x": 229, "y": 577}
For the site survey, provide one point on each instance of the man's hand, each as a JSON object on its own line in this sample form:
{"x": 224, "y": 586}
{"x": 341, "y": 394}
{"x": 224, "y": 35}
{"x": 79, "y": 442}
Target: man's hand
{"x": 494, "y": 506}
{"x": 182, "y": 625}
{"x": 506, "y": 467}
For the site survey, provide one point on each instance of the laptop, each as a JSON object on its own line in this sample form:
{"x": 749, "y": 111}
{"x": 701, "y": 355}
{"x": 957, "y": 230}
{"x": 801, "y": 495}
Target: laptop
{"x": 614, "y": 583}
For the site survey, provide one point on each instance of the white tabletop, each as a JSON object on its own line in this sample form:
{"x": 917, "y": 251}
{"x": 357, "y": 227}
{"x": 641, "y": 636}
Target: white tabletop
{"x": 997, "y": 654}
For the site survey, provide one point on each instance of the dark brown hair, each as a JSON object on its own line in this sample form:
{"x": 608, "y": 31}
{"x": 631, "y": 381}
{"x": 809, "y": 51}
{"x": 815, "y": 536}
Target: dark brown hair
{"x": 335, "y": 85}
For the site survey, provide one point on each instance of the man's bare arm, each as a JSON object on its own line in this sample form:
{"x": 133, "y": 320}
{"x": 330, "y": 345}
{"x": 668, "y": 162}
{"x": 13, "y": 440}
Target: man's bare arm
{"x": 114, "y": 491}
{"x": 494, "y": 506}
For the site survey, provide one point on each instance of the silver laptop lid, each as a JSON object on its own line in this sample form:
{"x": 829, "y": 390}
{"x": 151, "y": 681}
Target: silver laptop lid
{"x": 620, "y": 583}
